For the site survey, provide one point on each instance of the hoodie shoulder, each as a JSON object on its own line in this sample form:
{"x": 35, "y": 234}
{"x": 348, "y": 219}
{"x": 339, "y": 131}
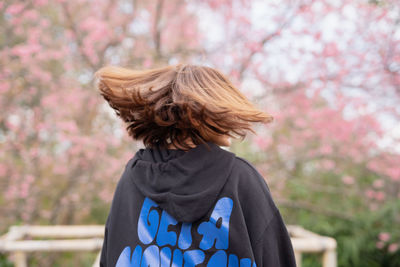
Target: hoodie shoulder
{"x": 249, "y": 168}
{"x": 253, "y": 192}
{"x": 124, "y": 190}
{"x": 251, "y": 175}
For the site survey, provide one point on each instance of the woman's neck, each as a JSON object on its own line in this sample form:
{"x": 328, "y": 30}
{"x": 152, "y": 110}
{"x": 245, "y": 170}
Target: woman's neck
{"x": 187, "y": 141}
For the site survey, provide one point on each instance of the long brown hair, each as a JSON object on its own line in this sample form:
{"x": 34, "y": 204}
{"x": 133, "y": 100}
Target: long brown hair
{"x": 169, "y": 104}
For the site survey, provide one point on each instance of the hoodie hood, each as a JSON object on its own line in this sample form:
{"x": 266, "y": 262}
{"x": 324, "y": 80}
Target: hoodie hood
{"x": 185, "y": 184}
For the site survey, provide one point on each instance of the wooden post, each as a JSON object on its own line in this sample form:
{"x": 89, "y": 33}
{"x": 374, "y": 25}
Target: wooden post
{"x": 97, "y": 261}
{"x": 297, "y": 255}
{"x": 329, "y": 258}
{"x": 19, "y": 259}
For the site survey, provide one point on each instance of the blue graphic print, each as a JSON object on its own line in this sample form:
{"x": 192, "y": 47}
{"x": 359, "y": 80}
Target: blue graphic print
{"x": 154, "y": 228}
{"x": 211, "y": 232}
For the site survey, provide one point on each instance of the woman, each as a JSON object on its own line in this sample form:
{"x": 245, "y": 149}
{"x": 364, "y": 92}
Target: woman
{"x": 183, "y": 200}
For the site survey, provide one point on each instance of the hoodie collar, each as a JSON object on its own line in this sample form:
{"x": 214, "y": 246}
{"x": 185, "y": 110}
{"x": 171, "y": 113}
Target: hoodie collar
{"x": 185, "y": 184}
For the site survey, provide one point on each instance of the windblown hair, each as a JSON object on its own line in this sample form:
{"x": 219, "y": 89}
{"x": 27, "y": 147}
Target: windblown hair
{"x": 167, "y": 105}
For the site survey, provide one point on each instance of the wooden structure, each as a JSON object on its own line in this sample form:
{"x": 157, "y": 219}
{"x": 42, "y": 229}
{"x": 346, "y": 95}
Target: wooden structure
{"x": 69, "y": 238}
{"x": 305, "y": 241}
{"x": 20, "y": 240}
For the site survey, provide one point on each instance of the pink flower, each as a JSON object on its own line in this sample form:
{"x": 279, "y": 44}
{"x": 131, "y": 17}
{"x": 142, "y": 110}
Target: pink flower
{"x": 262, "y": 142}
{"x": 301, "y": 122}
{"x": 328, "y": 164}
{"x": 379, "y": 196}
{"x": 3, "y": 169}
{"x": 379, "y": 244}
{"x": 30, "y": 178}
{"x": 347, "y": 179}
{"x": 4, "y": 87}
{"x": 60, "y": 169}
{"x": 254, "y": 46}
{"x": 15, "y": 9}
{"x": 325, "y": 149}
{"x": 24, "y": 190}
{"x": 147, "y": 63}
{"x": 378, "y": 183}
{"x": 370, "y": 193}
{"x": 393, "y": 247}
{"x": 330, "y": 50}
{"x": 393, "y": 173}
{"x": 384, "y": 236}
{"x": 41, "y": 2}
{"x": 11, "y": 192}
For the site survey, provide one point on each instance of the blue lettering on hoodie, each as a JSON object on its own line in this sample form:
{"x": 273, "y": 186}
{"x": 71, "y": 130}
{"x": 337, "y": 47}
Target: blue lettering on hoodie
{"x": 148, "y": 222}
{"x": 154, "y": 229}
{"x": 211, "y": 233}
{"x": 165, "y": 237}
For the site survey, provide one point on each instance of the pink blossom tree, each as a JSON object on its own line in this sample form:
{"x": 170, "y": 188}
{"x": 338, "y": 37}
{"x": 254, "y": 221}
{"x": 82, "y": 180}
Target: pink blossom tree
{"x": 328, "y": 71}
{"x": 62, "y": 150}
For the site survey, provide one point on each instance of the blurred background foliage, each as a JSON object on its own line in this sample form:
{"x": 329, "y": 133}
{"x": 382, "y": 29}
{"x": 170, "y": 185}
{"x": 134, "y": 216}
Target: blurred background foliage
{"x": 327, "y": 70}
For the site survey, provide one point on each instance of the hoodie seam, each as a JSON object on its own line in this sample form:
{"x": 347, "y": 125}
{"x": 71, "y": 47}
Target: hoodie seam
{"x": 266, "y": 227}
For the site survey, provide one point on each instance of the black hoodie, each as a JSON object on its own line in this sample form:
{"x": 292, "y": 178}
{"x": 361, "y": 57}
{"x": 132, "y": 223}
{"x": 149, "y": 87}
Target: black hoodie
{"x": 196, "y": 208}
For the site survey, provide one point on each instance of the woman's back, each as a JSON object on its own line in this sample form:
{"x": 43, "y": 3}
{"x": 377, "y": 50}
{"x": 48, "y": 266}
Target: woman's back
{"x": 197, "y": 208}
{"x": 197, "y": 205}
